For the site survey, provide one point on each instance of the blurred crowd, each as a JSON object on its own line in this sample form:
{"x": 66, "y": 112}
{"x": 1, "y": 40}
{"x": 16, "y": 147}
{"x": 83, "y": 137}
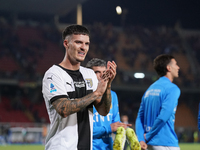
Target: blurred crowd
{"x": 29, "y": 49}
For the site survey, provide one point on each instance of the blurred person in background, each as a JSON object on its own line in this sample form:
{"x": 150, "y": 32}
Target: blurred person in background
{"x": 156, "y": 116}
{"x": 104, "y": 126}
{"x": 124, "y": 119}
{"x": 70, "y": 91}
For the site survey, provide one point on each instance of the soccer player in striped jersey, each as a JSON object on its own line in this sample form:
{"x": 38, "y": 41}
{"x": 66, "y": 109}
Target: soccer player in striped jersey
{"x": 70, "y": 91}
{"x": 156, "y": 116}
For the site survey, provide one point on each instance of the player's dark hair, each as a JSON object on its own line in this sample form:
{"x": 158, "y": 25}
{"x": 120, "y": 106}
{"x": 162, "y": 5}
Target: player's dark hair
{"x": 75, "y": 29}
{"x": 96, "y": 62}
{"x": 160, "y": 64}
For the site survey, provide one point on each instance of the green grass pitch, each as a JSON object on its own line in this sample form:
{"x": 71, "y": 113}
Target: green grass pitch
{"x": 189, "y": 146}
{"x": 22, "y": 147}
{"x": 183, "y": 146}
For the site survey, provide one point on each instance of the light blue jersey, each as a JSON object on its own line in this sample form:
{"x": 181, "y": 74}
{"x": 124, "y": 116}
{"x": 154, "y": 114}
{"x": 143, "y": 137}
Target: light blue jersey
{"x": 156, "y": 114}
{"x": 102, "y": 139}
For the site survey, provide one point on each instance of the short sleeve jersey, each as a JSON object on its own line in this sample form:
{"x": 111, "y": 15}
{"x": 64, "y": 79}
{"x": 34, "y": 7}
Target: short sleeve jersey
{"x": 75, "y": 131}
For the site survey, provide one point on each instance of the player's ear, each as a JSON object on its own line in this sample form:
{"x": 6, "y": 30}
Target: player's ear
{"x": 65, "y": 43}
{"x": 168, "y": 68}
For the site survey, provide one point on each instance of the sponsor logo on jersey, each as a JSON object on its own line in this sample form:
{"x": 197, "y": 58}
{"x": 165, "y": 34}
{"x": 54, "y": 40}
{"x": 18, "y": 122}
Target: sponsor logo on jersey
{"x": 79, "y": 84}
{"x": 89, "y": 82}
{"x": 52, "y": 88}
{"x": 97, "y": 117}
{"x": 152, "y": 92}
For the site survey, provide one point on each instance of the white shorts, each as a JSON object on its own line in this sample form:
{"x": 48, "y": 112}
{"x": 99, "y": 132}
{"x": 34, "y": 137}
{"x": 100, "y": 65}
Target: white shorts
{"x": 150, "y": 147}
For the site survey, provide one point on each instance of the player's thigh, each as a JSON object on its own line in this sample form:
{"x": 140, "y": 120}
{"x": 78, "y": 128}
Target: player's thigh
{"x": 162, "y": 148}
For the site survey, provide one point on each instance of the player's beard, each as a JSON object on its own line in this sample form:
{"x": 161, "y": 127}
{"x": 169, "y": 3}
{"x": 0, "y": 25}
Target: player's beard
{"x": 80, "y": 60}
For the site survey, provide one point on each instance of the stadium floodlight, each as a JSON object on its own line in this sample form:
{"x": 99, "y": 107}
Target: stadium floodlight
{"x": 139, "y": 75}
{"x": 119, "y": 10}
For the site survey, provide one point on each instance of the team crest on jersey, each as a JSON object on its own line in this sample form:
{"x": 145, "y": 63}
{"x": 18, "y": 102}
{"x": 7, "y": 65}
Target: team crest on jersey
{"x": 52, "y": 88}
{"x": 89, "y": 82}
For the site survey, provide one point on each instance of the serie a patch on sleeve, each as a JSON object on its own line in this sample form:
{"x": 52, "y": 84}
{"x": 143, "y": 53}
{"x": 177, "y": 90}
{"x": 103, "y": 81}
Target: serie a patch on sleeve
{"x": 52, "y": 88}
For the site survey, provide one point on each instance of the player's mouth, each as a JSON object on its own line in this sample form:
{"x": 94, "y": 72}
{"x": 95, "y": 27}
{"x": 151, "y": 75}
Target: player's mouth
{"x": 81, "y": 53}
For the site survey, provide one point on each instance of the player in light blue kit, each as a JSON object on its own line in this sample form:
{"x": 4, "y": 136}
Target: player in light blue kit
{"x": 104, "y": 126}
{"x": 156, "y": 116}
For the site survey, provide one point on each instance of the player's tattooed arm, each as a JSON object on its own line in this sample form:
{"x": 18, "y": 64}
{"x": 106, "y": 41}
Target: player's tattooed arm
{"x": 103, "y": 107}
{"x": 66, "y": 107}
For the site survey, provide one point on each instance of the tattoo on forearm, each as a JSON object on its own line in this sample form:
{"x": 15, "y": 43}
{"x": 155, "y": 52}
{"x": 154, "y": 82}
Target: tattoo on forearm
{"x": 107, "y": 99}
{"x": 65, "y": 106}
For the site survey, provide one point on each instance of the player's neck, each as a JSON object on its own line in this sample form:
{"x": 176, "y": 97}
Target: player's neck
{"x": 170, "y": 77}
{"x": 67, "y": 64}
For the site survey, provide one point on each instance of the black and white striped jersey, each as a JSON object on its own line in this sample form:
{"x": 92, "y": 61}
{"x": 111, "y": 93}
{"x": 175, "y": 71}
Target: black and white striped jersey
{"x": 75, "y": 131}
